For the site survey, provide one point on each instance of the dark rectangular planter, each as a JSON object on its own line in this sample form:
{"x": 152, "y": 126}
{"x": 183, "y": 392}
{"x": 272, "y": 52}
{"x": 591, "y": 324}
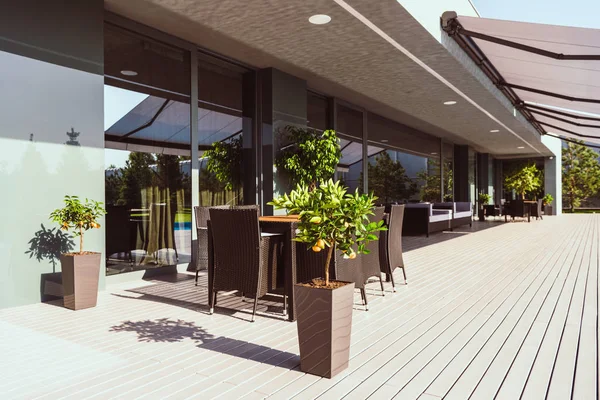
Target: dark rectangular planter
{"x": 324, "y": 327}
{"x": 548, "y": 210}
{"x": 80, "y": 275}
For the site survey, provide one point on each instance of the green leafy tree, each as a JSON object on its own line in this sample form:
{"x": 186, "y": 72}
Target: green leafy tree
{"x": 310, "y": 157}
{"x": 78, "y": 216}
{"x": 137, "y": 175}
{"x": 523, "y": 179}
{"x": 431, "y": 189}
{"x": 208, "y": 181}
{"x": 330, "y": 217}
{"x": 225, "y": 162}
{"x": 483, "y": 199}
{"x": 580, "y": 173}
{"x": 388, "y": 180}
{"x": 113, "y": 181}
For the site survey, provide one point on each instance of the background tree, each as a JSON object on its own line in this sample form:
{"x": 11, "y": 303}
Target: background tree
{"x": 137, "y": 175}
{"x": 388, "y": 180}
{"x": 113, "y": 181}
{"x": 580, "y": 173}
{"x": 225, "y": 162}
{"x": 523, "y": 179}
{"x": 310, "y": 156}
{"x": 209, "y": 182}
{"x": 431, "y": 188}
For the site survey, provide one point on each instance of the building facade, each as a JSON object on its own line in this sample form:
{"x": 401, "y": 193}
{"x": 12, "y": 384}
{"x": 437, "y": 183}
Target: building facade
{"x": 119, "y": 101}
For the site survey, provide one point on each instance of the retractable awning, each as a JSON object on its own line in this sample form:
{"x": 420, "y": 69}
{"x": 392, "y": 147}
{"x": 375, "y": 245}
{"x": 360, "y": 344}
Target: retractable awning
{"x": 550, "y": 73}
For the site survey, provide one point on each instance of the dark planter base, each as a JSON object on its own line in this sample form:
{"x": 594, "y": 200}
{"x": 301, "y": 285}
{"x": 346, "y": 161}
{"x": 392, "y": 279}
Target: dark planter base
{"x": 80, "y": 275}
{"x": 481, "y": 214}
{"x": 548, "y": 210}
{"x": 324, "y": 327}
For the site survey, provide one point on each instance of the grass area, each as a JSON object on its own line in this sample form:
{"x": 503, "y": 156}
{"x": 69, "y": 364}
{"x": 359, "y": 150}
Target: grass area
{"x": 582, "y": 211}
{"x": 184, "y": 215}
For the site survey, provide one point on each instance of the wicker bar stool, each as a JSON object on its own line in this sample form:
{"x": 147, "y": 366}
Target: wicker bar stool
{"x": 244, "y": 259}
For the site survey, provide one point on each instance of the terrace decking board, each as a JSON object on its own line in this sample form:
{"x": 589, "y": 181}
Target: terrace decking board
{"x": 498, "y": 309}
{"x": 447, "y": 328}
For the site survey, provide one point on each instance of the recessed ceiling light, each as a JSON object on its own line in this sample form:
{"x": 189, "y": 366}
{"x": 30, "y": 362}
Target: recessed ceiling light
{"x": 449, "y": 103}
{"x": 552, "y": 158}
{"x": 128, "y": 72}
{"x": 384, "y": 140}
{"x": 434, "y": 153}
{"x": 495, "y": 130}
{"x": 319, "y": 19}
{"x": 521, "y": 147}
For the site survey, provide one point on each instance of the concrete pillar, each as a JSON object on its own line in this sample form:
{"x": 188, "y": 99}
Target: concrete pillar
{"x": 553, "y": 172}
{"x": 498, "y": 182}
{"x": 461, "y": 173}
{"x": 483, "y": 173}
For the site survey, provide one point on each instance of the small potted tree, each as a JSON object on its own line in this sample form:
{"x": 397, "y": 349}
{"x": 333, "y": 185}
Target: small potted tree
{"x": 547, "y": 201}
{"x": 330, "y": 219}
{"x": 483, "y": 199}
{"x": 80, "y": 270}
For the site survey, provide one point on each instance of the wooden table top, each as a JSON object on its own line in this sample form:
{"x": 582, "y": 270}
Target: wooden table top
{"x": 280, "y": 218}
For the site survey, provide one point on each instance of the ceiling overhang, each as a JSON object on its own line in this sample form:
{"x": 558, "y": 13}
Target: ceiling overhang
{"x": 372, "y": 54}
{"x": 550, "y": 73}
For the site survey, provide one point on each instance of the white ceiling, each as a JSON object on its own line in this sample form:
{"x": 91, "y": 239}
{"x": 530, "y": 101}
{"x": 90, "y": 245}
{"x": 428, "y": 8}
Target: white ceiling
{"x": 353, "y": 61}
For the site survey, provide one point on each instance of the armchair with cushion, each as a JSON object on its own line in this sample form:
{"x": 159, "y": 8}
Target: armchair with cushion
{"x": 423, "y": 219}
{"x": 462, "y": 213}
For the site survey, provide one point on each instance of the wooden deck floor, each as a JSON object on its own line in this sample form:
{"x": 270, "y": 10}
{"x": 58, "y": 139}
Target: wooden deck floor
{"x": 501, "y": 311}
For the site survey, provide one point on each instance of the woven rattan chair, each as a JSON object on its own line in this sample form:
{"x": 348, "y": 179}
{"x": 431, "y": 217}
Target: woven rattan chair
{"x": 202, "y": 217}
{"x": 363, "y": 267}
{"x": 536, "y": 211}
{"x": 244, "y": 259}
{"x": 390, "y": 245}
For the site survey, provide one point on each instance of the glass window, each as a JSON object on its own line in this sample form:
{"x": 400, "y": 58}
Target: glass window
{"x": 404, "y": 163}
{"x": 317, "y": 112}
{"x": 350, "y": 132}
{"x": 220, "y": 132}
{"x": 147, "y": 156}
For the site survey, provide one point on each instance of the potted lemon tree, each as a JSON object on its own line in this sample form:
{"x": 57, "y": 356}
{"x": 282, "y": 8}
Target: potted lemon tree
{"x": 483, "y": 199}
{"x": 80, "y": 270}
{"x": 330, "y": 220}
{"x": 547, "y": 201}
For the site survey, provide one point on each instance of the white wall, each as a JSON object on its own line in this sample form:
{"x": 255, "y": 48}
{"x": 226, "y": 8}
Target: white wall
{"x": 428, "y": 12}
{"x": 44, "y": 100}
{"x": 553, "y": 172}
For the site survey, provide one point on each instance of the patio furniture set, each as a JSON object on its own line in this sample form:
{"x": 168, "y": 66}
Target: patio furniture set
{"x": 258, "y": 255}
{"x": 516, "y": 209}
{"x": 255, "y": 255}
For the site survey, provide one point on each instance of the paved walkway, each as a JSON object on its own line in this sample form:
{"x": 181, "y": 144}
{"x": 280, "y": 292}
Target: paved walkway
{"x": 501, "y": 311}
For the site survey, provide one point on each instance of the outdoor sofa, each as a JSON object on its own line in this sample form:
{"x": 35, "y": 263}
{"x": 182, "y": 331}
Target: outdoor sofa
{"x": 462, "y": 212}
{"x": 423, "y": 219}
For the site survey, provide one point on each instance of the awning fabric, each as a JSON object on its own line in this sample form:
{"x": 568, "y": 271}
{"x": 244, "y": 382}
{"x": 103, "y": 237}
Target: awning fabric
{"x": 166, "y": 122}
{"x": 551, "y": 73}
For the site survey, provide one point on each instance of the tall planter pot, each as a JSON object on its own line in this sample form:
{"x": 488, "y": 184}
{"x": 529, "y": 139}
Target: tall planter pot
{"x": 548, "y": 210}
{"x": 80, "y": 275}
{"x": 324, "y": 326}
